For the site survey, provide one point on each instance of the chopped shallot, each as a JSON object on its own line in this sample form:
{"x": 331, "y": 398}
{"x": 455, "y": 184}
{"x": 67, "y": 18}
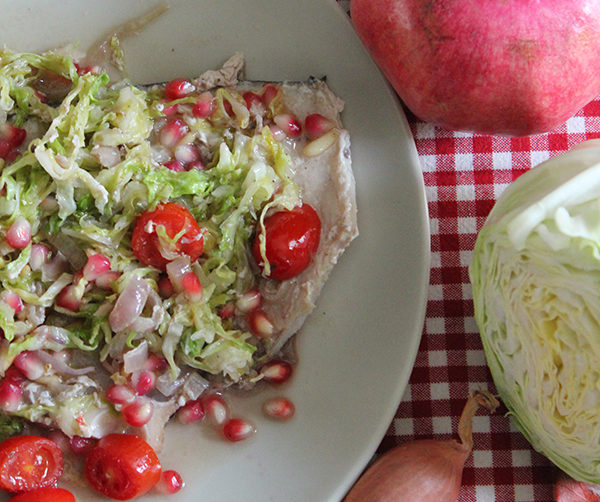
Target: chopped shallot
{"x": 56, "y": 360}
{"x": 108, "y": 156}
{"x": 176, "y": 270}
{"x": 135, "y": 359}
{"x": 130, "y": 304}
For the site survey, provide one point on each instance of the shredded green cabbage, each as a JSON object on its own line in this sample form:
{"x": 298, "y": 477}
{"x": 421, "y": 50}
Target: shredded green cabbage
{"x": 59, "y": 184}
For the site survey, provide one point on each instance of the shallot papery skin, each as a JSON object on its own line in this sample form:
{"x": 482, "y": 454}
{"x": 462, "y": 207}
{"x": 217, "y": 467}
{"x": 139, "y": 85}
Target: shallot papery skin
{"x": 426, "y": 470}
{"x": 569, "y": 490}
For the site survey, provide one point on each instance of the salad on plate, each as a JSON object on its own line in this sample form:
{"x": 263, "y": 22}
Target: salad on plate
{"x": 158, "y": 245}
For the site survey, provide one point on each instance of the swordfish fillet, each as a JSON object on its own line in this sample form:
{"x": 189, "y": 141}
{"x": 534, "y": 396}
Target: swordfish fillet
{"x": 327, "y": 184}
{"x": 117, "y": 188}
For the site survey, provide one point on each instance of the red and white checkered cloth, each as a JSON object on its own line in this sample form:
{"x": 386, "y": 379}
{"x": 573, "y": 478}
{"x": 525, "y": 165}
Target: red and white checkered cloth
{"x": 464, "y": 175}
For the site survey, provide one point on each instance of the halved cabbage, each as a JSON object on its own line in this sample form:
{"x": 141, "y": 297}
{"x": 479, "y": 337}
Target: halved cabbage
{"x": 536, "y": 290}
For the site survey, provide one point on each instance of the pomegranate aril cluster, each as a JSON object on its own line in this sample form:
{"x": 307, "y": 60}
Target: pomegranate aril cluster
{"x": 174, "y": 134}
{"x": 183, "y": 102}
{"x": 95, "y": 273}
{"x": 213, "y": 409}
{"x": 130, "y": 398}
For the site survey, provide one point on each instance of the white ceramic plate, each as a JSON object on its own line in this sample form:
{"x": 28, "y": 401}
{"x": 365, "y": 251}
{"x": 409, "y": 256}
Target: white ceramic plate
{"x": 357, "y": 349}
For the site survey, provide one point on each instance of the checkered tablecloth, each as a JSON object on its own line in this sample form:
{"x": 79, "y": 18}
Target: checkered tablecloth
{"x": 464, "y": 174}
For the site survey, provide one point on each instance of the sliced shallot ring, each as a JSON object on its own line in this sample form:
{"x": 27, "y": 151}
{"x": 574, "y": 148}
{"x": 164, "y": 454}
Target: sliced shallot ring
{"x": 135, "y": 359}
{"x": 129, "y": 304}
{"x": 60, "y": 366}
{"x": 176, "y": 270}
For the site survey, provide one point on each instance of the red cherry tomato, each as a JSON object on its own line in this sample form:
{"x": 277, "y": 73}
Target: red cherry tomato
{"x": 29, "y": 462}
{"x": 176, "y": 220}
{"x": 292, "y": 238}
{"x": 47, "y": 494}
{"x": 122, "y": 466}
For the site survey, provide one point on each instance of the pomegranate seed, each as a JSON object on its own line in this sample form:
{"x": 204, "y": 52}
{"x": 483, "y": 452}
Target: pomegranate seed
{"x": 178, "y": 88}
{"x": 13, "y": 136}
{"x": 279, "y": 408}
{"x": 19, "y": 233}
{"x": 288, "y": 124}
{"x": 205, "y": 106}
{"x": 107, "y": 279}
{"x": 14, "y": 374}
{"x": 236, "y": 429}
{"x": 228, "y": 108}
{"x": 96, "y": 265}
{"x": 249, "y": 301}
{"x": 316, "y": 125}
{"x": 226, "y": 311}
{"x": 39, "y": 256}
{"x": 169, "y": 110}
{"x": 12, "y": 156}
{"x": 268, "y": 93}
{"x": 155, "y": 363}
{"x": 186, "y": 153}
{"x": 138, "y": 413}
{"x": 146, "y": 382}
{"x": 192, "y": 286}
{"x": 165, "y": 287}
{"x": 86, "y": 69}
{"x": 80, "y": 445}
{"x": 10, "y": 395}
{"x": 6, "y": 150}
{"x": 260, "y": 324}
{"x": 29, "y": 364}
{"x": 40, "y": 96}
{"x": 175, "y": 165}
{"x": 69, "y": 299}
{"x": 13, "y": 300}
{"x": 170, "y": 482}
{"x": 172, "y": 132}
{"x": 252, "y": 99}
{"x": 276, "y": 371}
{"x": 119, "y": 394}
{"x": 192, "y": 411}
{"x": 216, "y": 409}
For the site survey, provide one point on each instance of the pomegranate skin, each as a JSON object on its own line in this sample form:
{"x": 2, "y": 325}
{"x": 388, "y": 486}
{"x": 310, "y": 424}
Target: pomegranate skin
{"x": 425, "y": 470}
{"x": 512, "y": 67}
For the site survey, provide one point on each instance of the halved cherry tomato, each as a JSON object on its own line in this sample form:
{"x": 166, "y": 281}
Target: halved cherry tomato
{"x": 176, "y": 220}
{"x": 292, "y": 238}
{"x": 122, "y": 466}
{"x": 47, "y": 494}
{"x": 29, "y": 462}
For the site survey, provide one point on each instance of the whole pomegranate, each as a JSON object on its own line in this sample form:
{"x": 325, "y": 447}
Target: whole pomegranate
{"x": 514, "y": 67}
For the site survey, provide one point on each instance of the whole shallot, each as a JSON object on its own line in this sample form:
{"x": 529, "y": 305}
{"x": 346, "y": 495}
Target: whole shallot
{"x": 424, "y": 470}
{"x": 570, "y": 490}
